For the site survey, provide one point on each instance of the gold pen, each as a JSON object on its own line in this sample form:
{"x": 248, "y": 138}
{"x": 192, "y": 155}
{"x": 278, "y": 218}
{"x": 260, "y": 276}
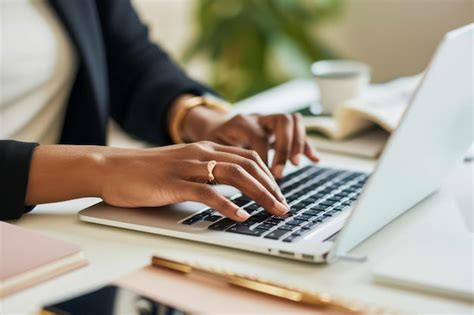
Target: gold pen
{"x": 259, "y": 285}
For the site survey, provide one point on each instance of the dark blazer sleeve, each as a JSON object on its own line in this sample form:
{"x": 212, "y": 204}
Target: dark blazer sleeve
{"x": 15, "y": 158}
{"x": 143, "y": 80}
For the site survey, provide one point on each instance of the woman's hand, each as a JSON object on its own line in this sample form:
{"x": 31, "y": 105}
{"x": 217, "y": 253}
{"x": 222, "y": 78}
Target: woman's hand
{"x": 283, "y": 132}
{"x": 152, "y": 177}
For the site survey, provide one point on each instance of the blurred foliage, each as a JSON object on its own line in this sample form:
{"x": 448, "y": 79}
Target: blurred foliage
{"x": 255, "y": 44}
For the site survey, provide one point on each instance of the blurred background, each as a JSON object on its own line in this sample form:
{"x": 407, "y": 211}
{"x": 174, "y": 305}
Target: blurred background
{"x": 241, "y": 47}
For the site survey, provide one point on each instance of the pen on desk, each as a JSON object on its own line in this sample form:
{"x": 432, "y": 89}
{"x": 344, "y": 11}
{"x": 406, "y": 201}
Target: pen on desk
{"x": 320, "y": 300}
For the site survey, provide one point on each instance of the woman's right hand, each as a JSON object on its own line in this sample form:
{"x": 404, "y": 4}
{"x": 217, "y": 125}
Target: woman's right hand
{"x": 152, "y": 177}
{"x": 166, "y": 175}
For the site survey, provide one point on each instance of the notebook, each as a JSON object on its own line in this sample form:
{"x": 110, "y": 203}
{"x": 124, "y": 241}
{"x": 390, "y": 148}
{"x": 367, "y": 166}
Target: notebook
{"x": 27, "y": 258}
{"x": 368, "y": 144}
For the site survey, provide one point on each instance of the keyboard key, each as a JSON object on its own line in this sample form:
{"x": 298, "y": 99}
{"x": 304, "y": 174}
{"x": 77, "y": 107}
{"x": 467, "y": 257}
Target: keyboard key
{"x": 191, "y": 220}
{"x": 274, "y": 219}
{"x": 291, "y": 199}
{"x": 304, "y": 217}
{"x": 319, "y": 207}
{"x": 325, "y": 192}
{"x": 297, "y": 207}
{"x": 296, "y": 222}
{"x": 310, "y": 225}
{"x": 298, "y": 233}
{"x": 295, "y": 211}
{"x": 198, "y": 217}
{"x": 272, "y": 223}
{"x": 213, "y": 218}
{"x": 221, "y": 225}
{"x": 326, "y": 204}
{"x": 252, "y": 207}
{"x": 246, "y": 223}
{"x": 341, "y": 207}
{"x": 265, "y": 226}
{"x": 245, "y": 230}
{"x": 277, "y": 234}
{"x": 305, "y": 202}
{"x": 287, "y": 227}
{"x": 241, "y": 201}
{"x": 323, "y": 218}
{"x": 312, "y": 213}
{"x": 261, "y": 216}
{"x": 290, "y": 238}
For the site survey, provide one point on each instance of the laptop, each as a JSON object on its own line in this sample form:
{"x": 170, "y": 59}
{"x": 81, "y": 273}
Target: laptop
{"x": 333, "y": 210}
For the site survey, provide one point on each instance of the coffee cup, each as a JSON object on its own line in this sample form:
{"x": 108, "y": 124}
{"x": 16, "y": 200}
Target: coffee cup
{"x": 339, "y": 81}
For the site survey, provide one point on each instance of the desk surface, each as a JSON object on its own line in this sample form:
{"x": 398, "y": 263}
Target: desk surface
{"x": 114, "y": 252}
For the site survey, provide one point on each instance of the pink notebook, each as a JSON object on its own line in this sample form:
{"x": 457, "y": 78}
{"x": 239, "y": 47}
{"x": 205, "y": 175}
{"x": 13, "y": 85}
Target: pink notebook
{"x": 27, "y": 258}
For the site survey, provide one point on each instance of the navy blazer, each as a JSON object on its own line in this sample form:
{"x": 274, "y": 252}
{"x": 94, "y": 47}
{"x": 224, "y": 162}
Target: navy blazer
{"x": 121, "y": 75}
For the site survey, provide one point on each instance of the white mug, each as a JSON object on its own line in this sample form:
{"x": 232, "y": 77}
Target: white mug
{"x": 339, "y": 81}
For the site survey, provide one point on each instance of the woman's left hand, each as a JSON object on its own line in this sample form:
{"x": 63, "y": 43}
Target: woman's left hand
{"x": 283, "y": 132}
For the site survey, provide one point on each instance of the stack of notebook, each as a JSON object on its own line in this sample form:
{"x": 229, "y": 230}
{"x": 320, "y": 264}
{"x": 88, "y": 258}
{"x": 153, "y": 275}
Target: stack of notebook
{"x": 27, "y": 258}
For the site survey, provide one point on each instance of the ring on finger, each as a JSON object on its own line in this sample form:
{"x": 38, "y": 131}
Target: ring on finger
{"x": 211, "y": 179}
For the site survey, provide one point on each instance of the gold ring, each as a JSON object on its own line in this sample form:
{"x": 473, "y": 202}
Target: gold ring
{"x": 211, "y": 179}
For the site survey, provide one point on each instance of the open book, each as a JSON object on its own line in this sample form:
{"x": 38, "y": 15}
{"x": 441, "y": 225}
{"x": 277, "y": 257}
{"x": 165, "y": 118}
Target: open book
{"x": 382, "y": 105}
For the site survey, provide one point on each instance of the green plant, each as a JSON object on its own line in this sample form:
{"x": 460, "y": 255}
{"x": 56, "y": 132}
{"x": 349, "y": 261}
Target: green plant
{"x": 256, "y": 44}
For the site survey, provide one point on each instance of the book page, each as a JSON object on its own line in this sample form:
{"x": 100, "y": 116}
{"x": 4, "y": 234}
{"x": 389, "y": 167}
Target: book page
{"x": 382, "y": 105}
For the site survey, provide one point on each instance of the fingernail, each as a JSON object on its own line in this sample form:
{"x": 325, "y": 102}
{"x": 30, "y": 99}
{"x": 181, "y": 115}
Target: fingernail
{"x": 296, "y": 159}
{"x": 242, "y": 214}
{"x": 279, "y": 171}
{"x": 281, "y": 208}
{"x": 316, "y": 154}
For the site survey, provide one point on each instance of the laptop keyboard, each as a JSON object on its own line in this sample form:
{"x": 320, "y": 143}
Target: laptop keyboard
{"x": 315, "y": 195}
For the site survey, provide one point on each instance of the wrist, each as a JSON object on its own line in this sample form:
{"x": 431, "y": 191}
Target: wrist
{"x": 199, "y": 123}
{"x": 94, "y": 163}
{"x": 62, "y": 172}
{"x": 191, "y": 118}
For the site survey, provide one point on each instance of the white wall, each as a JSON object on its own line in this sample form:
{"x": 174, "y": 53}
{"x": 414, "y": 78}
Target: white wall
{"x": 396, "y": 37}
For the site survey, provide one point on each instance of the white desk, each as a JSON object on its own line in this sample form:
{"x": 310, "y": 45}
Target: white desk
{"x": 114, "y": 252}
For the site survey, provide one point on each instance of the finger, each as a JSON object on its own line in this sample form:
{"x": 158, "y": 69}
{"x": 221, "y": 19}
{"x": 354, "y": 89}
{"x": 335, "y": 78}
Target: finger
{"x": 236, "y": 176}
{"x": 283, "y": 143}
{"x": 251, "y": 134}
{"x": 299, "y": 135}
{"x": 266, "y": 194}
{"x": 261, "y": 145}
{"x": 249, "y": 154}
{"x": 207, "y": 195}
{"x": 254, "y": 169}
{"x": 310, "y": 152}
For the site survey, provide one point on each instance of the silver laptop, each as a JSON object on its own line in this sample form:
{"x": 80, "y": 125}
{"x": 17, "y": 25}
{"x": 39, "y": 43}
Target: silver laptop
{"x": 333, "y": 210}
